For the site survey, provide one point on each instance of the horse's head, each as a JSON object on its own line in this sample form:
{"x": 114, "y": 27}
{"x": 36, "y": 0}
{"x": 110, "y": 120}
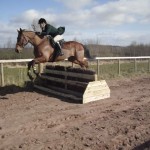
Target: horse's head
{"x": 22, "y": 40}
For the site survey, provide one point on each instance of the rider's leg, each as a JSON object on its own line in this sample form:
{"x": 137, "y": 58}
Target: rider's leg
{"x": 51, "y": 41}
{"x": 58, "y": 48}
{"x": 57, "y": 45}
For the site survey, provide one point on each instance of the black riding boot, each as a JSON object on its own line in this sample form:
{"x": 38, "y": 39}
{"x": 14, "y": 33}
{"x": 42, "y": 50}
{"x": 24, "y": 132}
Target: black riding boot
{"x": 58, "y": 49}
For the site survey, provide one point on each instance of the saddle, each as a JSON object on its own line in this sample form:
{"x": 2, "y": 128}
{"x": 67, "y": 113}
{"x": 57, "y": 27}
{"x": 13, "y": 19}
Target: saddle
{"x": 53, "y": 43}
{"x": 57, "y": 47}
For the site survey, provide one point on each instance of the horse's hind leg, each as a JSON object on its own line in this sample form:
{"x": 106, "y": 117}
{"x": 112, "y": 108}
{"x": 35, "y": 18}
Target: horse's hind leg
{"x": 83, "y": 64}
{"x": 72, "y": 59}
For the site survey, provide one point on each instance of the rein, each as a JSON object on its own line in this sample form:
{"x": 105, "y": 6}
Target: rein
{"x": 25, "y": 38}
{"x": 32, "y": 38}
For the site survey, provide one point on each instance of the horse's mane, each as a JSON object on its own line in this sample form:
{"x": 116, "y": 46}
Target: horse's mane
{"x": 27, "y": 30}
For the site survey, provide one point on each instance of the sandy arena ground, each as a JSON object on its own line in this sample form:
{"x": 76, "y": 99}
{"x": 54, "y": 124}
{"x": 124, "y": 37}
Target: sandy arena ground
{"x": 30, "y": 120}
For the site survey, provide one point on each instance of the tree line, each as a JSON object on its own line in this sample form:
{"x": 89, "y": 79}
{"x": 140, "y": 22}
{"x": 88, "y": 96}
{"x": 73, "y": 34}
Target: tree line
{"x": 91, "y": 50}
{"x": 95, "y": 50}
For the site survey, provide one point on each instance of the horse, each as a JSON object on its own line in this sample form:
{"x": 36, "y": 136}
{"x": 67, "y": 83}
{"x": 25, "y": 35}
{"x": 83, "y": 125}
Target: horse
{"x": 44, "y": 51}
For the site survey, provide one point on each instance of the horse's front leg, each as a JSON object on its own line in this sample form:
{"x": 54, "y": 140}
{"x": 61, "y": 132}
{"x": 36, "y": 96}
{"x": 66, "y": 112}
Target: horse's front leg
{"x": 30, "y": 64}
{"x": 34, "y": 67}
{"x": 38, "y": 61}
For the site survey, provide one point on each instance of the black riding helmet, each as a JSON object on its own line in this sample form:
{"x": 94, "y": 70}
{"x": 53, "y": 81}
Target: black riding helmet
{"x": 41, "y": 20}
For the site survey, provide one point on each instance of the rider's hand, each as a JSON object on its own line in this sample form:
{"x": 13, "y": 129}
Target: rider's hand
{"x": 49, "y": 36}
{"x": 38, "y": 33}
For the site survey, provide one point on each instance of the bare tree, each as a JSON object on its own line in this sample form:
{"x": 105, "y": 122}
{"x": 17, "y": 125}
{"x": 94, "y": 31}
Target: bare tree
{"x": 9, "y": 43}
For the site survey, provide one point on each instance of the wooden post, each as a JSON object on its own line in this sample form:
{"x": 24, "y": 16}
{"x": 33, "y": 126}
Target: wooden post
{"x": 40, "y": 67}
{"x": 119, "y": 66}
{"x": 149, "y": 65}
{"x": 98, "y": 67}
{"x": 96, "y": 78}
{"x": 135, "y": 65}
{"x": 2, "y": 75}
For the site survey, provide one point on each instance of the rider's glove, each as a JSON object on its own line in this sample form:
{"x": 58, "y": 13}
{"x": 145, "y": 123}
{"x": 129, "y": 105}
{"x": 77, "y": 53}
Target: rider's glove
{"x": 38, "y": 33}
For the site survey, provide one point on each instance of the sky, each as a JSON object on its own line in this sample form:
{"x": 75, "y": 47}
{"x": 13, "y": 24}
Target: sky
{"x": 113, "y": 22}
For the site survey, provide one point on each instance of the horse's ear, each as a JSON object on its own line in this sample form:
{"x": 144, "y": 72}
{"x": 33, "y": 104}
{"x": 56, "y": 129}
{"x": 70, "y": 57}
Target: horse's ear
{"x": 20, "y": 30}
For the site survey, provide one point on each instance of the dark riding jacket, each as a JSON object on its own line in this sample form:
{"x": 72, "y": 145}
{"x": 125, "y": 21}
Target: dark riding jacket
{"x": 50, "y": 30}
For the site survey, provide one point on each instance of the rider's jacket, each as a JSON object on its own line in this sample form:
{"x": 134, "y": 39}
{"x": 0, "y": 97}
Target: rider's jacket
{"x": 50, "y": 30}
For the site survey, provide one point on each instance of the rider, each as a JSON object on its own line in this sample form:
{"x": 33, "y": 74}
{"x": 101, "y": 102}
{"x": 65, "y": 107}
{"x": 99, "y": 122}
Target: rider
{"x": 56, "y": 33}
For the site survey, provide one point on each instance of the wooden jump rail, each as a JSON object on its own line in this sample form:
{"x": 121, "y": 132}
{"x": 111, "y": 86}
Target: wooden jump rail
{"x": 77, "y": 84}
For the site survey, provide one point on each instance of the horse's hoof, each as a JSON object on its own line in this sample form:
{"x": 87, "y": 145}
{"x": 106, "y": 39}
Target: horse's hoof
{"x": 37, "y": 74}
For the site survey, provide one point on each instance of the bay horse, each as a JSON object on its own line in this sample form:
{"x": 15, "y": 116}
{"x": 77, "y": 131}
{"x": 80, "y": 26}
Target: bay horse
{"x": 44, "y": 51}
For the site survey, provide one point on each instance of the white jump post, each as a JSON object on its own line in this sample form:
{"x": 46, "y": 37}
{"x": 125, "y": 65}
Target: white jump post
{"x": 2, "y": 74}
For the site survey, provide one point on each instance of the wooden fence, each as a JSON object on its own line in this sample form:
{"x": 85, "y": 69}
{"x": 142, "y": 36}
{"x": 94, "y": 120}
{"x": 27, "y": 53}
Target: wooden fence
{"x": 97, "y": 59}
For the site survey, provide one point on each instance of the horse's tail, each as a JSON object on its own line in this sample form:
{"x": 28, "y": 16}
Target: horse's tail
{"x": 86, "y": 52}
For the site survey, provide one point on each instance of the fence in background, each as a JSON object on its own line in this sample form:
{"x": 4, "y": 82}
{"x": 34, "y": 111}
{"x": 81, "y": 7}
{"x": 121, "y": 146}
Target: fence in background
{"x": 97, "y": 59}
{"x": 2, "y": 62}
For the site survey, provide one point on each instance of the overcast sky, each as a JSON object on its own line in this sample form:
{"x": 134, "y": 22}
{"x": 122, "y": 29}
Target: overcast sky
{"x": 116, "y": 22}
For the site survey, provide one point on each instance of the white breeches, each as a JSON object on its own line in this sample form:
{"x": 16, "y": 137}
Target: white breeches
{"x": 58, "y": 38}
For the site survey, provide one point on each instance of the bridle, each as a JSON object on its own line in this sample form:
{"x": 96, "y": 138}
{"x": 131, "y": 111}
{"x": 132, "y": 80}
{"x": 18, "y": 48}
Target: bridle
{"x": 23, "y": 40}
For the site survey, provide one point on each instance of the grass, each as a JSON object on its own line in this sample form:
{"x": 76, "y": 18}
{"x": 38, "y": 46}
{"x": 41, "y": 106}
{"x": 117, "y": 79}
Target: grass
{"x": 18, "y": 75}
{"x": 109, "y": 71}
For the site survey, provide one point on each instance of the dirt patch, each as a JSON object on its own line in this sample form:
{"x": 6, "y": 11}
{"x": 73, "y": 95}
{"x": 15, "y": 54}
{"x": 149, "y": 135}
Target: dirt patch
{"x": 34, "y": 121}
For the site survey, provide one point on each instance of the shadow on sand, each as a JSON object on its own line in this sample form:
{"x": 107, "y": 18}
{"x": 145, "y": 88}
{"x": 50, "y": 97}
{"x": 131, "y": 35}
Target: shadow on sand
{"x": 12, "y": 89}
{"x": 144, "y": 146}
{"x": 64, "y": 99}
{"x": 29, "y": 87}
